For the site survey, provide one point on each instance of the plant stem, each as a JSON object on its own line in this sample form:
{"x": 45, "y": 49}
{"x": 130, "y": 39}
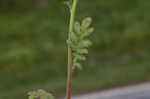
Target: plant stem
{"x": 71, "y": 29}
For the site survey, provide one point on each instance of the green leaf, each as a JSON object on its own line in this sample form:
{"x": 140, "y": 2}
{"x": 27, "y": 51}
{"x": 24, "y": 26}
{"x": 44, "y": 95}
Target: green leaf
{"x": 77, "y": 28}
{"x": 79, "y": 41}
{"x": 73, "y": 41}
{"x": 78, "y": 65}
{"x": 69, "y": 43}
{"x": 82, "y": 51}
{"x": 31, "y": 97}
{"x": 79, "y": 57}
{"x": 40, "y": 94}
{"x": 87, "y": 32}
{"x": 86, "y": 23}
{"x": 85, "y": 43}
{"x": 73, "y": 37}
{"x": 90, "y": 30}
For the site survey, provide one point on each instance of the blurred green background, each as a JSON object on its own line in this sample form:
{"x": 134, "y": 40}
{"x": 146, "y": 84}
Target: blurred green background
{"x": 33, "y": 46}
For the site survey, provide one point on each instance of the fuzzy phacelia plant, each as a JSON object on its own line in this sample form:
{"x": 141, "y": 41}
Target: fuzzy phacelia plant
{"x": 78, "y": 44}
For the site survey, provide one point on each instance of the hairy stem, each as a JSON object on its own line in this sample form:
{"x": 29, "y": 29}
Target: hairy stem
{"x": 71, "y": 29}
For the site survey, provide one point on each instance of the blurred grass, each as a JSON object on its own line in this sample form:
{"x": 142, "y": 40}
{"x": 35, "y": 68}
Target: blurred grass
{"x": 91, "y": 78}
{"x": 38, "y": 36}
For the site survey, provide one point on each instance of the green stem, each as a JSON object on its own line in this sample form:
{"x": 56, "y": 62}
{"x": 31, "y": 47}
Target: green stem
{"x": 71, "y": 29}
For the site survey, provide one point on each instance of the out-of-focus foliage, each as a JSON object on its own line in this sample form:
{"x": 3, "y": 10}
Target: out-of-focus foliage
{"x": 33, "y": 33}
{"x": 40, "y": 94}
{"x": 9, "y": 5}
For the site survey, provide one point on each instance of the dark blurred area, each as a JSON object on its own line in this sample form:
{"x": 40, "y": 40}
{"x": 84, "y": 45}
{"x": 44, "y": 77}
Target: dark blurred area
{"x": 33, "y": 50}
